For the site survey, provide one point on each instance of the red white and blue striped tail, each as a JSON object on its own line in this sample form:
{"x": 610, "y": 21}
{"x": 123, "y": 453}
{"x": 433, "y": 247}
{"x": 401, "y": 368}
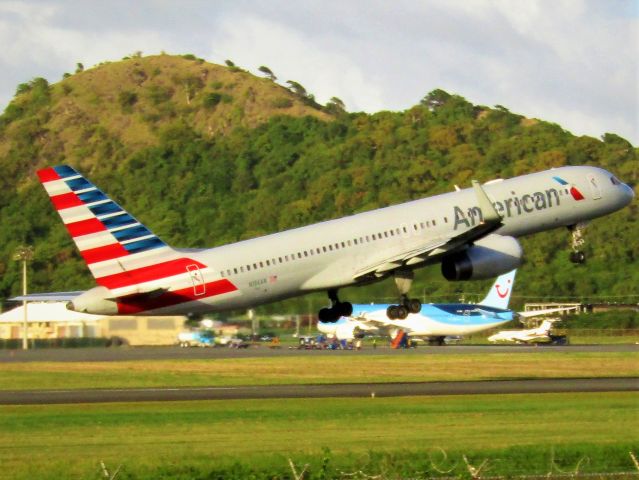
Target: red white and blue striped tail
{"x": 118, "y": 249}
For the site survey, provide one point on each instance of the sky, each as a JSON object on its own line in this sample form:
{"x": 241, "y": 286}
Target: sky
{"x": 571, "y": 62}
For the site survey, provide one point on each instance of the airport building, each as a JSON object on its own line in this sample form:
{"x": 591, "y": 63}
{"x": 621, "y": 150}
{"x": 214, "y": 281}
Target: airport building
{"x": 52, "y": 320}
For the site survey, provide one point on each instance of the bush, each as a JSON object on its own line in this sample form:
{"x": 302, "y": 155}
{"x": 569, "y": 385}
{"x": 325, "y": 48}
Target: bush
{"x": 212, "y": 99}
{"x": 282, "y": 102}
{"x": 127, "y": 99}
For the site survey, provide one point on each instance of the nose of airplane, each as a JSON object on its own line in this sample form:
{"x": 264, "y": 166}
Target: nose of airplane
{"x": 628, "y": 193}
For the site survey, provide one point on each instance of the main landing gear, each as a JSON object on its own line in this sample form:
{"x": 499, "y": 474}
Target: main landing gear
{"x": 403, "y": 280}
{"x": 577, "y": 240}
{"x": 338, "y": 309}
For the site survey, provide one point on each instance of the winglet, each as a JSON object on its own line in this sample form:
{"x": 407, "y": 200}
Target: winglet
{"x": 488, "y": 211}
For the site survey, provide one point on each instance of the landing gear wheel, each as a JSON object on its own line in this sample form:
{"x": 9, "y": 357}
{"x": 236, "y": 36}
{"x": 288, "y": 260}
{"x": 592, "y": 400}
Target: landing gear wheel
{"x": 327, "y": 315}
{"x": 577, "y": 240}
{"x": 345, "y": 309}
{"x": 338, "y": 309}
{"x": 578, "y": 257}
{"x": 414, "y": 305}
{"x": 402, "y": 312}
{"x": 392, "y": 312}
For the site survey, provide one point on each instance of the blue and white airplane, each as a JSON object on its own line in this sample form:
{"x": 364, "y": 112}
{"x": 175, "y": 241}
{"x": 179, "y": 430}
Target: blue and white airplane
{"x": 435, "y": 321}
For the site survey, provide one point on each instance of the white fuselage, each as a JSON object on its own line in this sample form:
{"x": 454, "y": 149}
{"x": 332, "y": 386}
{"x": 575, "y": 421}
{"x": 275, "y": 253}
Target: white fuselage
{"x": 329, "y": 254}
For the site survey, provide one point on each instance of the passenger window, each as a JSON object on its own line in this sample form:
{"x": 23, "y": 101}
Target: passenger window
{"x": 248, "y": 268}
{"x": 235, "y": 271}
{"x": 268, "y": 264}
{"x": 261, "y": 265}
{"x": 355, "y": 241}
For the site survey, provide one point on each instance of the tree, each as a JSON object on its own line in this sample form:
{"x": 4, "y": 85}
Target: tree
{"x": 79, "y": 67}
{"x": 297, "y": 88}
{"x": 435, "y": 99}
{"x": 335, "y": 106}
{"x": 268, "y": 72}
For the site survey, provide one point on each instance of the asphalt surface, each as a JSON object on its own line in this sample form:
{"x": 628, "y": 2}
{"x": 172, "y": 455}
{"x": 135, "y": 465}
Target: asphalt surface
{"x": 102, "y": 354}
{"x": 37, "y": 397}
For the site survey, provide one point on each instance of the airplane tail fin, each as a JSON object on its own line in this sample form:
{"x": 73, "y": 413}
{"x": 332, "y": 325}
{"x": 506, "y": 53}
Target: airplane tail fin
{"x": 118, "y": 249}
{"x": 499, "y": 294}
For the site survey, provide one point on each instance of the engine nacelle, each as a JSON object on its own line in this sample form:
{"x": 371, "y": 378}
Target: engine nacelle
{"x": 94, "y": 301}
{"x": 487, "y": 258}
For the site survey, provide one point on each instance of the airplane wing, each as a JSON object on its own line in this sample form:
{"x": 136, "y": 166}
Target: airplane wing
{"x": 47, "y": 297}
{"x": 491, "y": 222}
{"x": 534, "y": 313}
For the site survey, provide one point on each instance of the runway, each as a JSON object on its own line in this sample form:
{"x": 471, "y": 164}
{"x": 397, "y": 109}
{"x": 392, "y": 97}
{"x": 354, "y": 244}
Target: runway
{"x": 102, "y": 354}
{"x": 369, "y": 390}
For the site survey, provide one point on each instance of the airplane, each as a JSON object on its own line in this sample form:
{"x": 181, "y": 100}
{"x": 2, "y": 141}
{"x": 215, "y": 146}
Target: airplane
{"x": 435, "y": 321}
{"x": 470, "y": 232}
{"x": 533, "y": 335}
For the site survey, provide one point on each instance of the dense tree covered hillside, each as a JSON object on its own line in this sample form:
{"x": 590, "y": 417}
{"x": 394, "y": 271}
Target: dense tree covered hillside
{"x": 206, "y": 155}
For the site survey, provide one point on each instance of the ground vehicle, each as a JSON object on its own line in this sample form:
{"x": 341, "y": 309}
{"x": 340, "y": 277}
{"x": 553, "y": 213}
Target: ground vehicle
{"x": 196, "y": 338}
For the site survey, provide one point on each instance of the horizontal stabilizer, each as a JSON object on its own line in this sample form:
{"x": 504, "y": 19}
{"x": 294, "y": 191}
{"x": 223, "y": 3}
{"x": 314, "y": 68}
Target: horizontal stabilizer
{"x": 47, "y": 297}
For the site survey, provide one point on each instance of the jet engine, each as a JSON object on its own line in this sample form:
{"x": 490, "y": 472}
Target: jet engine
{"x": 95, "y": 301}
{"x": 487, "y": 258}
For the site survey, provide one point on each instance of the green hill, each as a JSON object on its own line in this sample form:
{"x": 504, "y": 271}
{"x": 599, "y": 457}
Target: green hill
{"x": 206, "y": 155}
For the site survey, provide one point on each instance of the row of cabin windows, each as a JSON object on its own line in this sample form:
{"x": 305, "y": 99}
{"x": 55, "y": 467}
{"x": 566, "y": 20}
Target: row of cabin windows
{"x": 328, "y": 248}
{"x": 336, "y": 246}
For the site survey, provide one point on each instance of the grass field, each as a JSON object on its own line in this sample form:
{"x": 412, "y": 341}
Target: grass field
{"x": 221, "y": 439}
{"x": 324, "y": 369}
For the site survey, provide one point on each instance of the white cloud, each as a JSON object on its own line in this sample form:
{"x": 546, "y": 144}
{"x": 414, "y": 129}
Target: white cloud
{"x": 324, "y": 72}
{"x": 573, "y": 62}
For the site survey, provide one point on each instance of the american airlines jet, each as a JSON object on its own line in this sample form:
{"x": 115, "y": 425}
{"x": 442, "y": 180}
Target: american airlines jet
{"x": 470, "y": 232}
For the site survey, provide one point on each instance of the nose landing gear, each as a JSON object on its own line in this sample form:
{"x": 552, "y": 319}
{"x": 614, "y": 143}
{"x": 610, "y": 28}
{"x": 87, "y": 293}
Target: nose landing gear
{"x": 577, "y": 240}
{"x": 403, "y": 280}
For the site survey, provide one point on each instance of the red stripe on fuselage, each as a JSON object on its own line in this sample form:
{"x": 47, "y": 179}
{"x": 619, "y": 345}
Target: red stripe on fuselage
{"x": 47, "y": 175}
{"x": 107, "y": 252}
{"x": 66, "y": 200}
{"x": 148, "y": 274}
{"x": 85, "y": 227}
{"x": 576, "y": 194}
{"x": 142, "y": 303}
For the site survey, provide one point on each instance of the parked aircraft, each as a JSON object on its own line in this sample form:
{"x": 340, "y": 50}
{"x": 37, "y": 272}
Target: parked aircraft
{"x": 533, "y": 335}
{"x": 470, "y": 232}
{"x": 435, "y": 321}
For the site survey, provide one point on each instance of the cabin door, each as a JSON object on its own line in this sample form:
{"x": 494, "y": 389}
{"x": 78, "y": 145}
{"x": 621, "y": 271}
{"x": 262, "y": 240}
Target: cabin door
{"x": 197, "y": 279}
{"x": 594, "y": 187}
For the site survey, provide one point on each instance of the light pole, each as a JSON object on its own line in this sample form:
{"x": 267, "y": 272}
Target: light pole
{"x": 24, "y": 253}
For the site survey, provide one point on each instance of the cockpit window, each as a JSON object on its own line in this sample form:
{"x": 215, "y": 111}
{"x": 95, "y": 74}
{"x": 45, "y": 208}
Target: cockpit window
{"x": 614, "y": 180}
